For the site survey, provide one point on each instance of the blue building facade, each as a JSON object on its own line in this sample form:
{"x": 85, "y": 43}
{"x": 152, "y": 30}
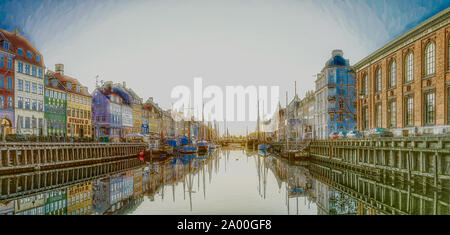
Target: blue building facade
{"x": 342, "y": 97}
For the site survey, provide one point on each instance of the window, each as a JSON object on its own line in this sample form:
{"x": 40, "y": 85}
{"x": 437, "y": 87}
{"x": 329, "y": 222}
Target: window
{"x": 1, "y": 82}
{"x": 20, "y": 51}
{"x": 27, "y": 103}
{"x": 9, "y": 83}
{"x": 1, "y": 61}
{"x": 27, "y": 122}
{"x": 378, "y": 115}
{"x": 9, "y": 63}
{"x": 38, "y": 58}
{"x": 392, "y": 114}
{"x": 41, "y": 90}
{"x": 29, "y": 55}
{"x": 392, "y": 74}
{"x": 47, "y": 93}
{"x": 40, "y": 106}
{"x": 409, "y": 63}
{"x": 20, "y": 85}
{"x": 20, "y": 102}
{"x": 33, "y": 71}
{"x": 27, "y": 69}
{"x": 20, "y": 67}
{"x": 27, "y": 86}
{"x": 429, "y": 108}
{"x": 34, "y": 88}
{"x": 10, "y": 102}
{"x": 378, "y": 80}
{"x": 2, "y": 102}
{"x": 429, "y": 59}
{"x": 34, "y": 105}
{"x": 40, "y": 73}
{"x": 69, "y": 86}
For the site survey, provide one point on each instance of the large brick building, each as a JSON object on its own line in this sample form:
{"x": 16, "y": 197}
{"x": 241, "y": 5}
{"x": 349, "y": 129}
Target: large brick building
{"x": 405, "y": 85}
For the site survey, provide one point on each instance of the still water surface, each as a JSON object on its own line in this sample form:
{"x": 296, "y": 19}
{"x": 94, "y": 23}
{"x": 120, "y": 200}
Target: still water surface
{"x": 227, "y": 181}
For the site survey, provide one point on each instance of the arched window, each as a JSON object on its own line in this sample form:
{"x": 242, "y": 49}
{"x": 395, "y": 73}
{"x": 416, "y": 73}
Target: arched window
{"x": 378, "y": 80}
{"x": 429, "y": 59}
{"x": 409, "y": 63}
{"x": 392, "y": 74}
{"x": 448, "y": 44}
{"x": 365, "y": 85}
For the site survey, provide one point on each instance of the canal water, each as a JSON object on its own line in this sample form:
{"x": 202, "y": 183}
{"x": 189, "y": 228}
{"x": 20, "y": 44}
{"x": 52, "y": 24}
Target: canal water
{"x": 230, "y": 181}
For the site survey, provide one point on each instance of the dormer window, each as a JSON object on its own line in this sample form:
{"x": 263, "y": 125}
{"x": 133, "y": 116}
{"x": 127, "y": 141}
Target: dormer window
{"x": 38, "y": 58}
{"x": 29, "y": 55}
{"x": 78, "y": 88}
{"x": 54, "y": 83}
{"x": 20, "y": 51}
{"x": 6, "y": 45}
{"x": 69, "y": 86}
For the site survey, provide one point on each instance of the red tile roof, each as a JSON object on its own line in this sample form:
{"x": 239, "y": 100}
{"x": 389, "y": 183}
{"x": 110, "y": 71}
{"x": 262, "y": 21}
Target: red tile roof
{"x": 18, "y": 41}
{"x": 63, "y": 79}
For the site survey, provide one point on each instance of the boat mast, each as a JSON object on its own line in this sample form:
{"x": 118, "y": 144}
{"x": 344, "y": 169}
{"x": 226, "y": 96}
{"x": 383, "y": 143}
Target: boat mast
{"x": 257, "y": 124}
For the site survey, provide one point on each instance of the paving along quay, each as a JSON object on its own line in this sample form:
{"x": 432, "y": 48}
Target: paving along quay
{"x": 372, "y": 138}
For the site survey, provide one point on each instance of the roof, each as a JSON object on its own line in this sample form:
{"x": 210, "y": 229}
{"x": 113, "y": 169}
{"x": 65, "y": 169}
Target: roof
{"x": 415, "y": 31}
{"x": 63, "y": 79}
{"x": 18, "y": 41}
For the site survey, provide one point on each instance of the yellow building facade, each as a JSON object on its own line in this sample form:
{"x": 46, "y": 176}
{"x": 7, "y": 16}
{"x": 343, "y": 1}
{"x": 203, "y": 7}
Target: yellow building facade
{"x": 78, "y": 105}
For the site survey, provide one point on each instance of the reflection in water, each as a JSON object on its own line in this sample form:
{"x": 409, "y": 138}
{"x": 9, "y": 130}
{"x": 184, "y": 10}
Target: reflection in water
{"x": 226, "y": 181}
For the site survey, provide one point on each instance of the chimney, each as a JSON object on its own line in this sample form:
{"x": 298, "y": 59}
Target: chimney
{"x": 124, "y": 84}
{"x": 16, "y": 32}
{"x": 108, "y": 85}
{"x": 59, "y": 68}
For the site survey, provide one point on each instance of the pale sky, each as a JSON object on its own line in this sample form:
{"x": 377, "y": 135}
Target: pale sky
{"x": 157, "y": 45}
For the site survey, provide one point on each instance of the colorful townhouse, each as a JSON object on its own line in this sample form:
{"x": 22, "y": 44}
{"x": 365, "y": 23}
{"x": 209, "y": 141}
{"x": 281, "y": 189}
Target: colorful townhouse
{"x": 79, "y": 199}
{"x": 55, "y": 202}
{"x": 154, "y": 121}
{"x": 6, "y": 86}
{"x": 27, "y": 82}
{"x": 55, "y": 102}
{"x": 108, "y": 102}
{"x": 335, "y": 97}
{"x": 137, "y": 111}
{"x": 78, "y": 102}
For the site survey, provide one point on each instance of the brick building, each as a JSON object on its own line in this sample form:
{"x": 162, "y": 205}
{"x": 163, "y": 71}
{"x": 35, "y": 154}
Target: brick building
{"x": 405, "y": 85}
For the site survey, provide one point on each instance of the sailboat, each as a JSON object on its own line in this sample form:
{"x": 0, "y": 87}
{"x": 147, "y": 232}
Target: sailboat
{"x": 202, "y": 145}
{"x": 264, "y": 146}
{"x": 190, "y": 147}
{"x": 212, "y": 145}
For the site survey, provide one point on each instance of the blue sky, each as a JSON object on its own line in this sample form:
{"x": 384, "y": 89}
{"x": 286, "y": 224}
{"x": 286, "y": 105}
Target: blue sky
{"x": 157, "y": 45}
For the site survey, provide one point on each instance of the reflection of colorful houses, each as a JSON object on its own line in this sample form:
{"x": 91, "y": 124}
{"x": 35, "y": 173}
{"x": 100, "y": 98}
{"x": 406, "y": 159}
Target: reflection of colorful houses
{"x": 115, "y": 192}
{"x": 55, "y": 202}
{"x": 137, "y": 185}
{"x": 101, "y": 196}
{"x": 332, "y": 202}
{"x": 33, "y": 205}
{"x": 365, "y": 210}
{"x": 7, "y": 208}
{"x": 79, "y": 199}
{"x": 128, "y": 182}
{"x": 111, "y": 111}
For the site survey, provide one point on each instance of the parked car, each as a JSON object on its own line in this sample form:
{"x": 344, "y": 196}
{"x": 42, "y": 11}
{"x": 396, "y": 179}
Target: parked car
{"x": 342, "y": 134}
{"x": 380, "y": 132}
{"x": 334, "y": 135}
{"x": 354, "y": 134}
